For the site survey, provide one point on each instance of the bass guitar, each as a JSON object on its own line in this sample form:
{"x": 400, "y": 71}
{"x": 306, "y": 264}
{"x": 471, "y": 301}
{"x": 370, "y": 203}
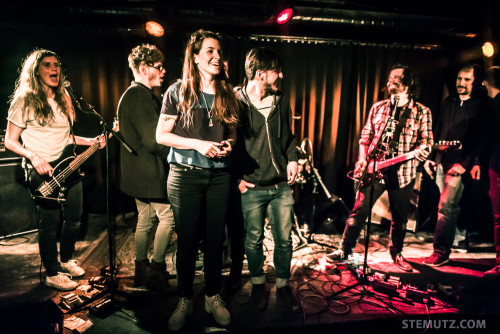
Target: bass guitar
{"x": 370, "y": 173}
{"x": 65, "y": 174}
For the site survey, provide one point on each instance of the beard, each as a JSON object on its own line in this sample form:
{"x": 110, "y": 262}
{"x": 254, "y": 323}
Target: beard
{"x": 395, "y": 88}
{"x": 270, "y": 89}
{"x": 463, "y": 91}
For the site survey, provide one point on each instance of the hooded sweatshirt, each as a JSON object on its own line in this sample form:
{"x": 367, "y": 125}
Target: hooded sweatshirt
{"x": 265, "y": 145}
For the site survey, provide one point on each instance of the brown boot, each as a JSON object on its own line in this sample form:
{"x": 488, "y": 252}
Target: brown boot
{"x": 158, "y": 277}
{"x": 141, "y": 272}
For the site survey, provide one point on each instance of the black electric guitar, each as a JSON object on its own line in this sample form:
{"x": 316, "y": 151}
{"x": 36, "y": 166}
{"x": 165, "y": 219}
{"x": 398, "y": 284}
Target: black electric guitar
{"x": 65, "y": 174}
{"x": 370, "y": 173}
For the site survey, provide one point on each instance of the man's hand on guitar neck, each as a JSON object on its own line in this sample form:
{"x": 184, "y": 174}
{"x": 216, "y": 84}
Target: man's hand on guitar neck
{"x": 422, "y": 153}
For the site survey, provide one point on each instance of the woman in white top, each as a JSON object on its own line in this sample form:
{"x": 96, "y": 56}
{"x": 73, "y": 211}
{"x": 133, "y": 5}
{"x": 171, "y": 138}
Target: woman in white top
{"x": 41, "y": 114}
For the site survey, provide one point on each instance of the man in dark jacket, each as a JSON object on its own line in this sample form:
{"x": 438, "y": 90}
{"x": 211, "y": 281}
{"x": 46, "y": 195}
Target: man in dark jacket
{"x": 142, "y": 173}
{"x": 268, "y": 168}
{"x": 492, "y": 84}
{"x": 458, "y": 120}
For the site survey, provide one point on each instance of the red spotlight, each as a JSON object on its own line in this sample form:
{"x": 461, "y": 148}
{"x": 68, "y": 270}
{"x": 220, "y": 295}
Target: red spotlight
{"x": 284, "y": 16}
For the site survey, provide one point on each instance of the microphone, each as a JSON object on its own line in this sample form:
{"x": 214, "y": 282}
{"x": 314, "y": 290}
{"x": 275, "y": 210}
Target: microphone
{"x": 75, "y": 100}
{"x": 303, "y": 146}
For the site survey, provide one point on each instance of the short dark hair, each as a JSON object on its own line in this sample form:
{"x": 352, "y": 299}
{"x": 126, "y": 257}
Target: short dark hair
{"x": 477, "y": 71}
{"x": 492, "y": 76}
{"x": 407, "y": 79}
{"x": 262, "y": 59}
{"x": 144, "y": 54}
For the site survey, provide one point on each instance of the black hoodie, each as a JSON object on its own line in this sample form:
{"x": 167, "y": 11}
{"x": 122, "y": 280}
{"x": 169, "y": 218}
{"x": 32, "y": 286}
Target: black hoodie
{"x": 265, "y": 146}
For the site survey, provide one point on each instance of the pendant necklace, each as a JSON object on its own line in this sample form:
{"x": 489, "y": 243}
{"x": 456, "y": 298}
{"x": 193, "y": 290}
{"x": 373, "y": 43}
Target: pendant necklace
{"x": 210, "y": 112}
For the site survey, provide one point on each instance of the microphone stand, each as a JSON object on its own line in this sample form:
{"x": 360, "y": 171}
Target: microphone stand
{"x": 108, "y": 131}
{"x": 363, "y": 279}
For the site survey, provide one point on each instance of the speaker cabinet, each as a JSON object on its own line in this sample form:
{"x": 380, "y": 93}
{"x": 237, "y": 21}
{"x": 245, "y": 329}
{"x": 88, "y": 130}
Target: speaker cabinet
{"x": 36, "y": 317}
{"x": 17, "y": 208}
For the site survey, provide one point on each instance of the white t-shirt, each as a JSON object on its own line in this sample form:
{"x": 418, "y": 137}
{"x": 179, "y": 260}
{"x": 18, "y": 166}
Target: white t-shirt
{"x": 47, "y": 141}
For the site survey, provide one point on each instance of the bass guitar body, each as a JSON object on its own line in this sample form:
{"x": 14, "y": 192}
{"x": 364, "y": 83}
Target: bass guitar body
{"x": 51, "y": 190}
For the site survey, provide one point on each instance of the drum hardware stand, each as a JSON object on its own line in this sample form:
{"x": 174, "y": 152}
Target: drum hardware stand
{"x": 316, "y": 179}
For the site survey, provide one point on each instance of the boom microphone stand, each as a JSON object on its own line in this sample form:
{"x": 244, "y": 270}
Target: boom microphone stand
{"x": 363, "y": 278}
{"x": 107, "y": 131}
{"x": 383, "y": 140}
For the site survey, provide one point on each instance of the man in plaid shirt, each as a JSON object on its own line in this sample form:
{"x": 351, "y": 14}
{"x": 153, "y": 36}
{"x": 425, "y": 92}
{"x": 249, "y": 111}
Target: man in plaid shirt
{"x": 411, "y": 125}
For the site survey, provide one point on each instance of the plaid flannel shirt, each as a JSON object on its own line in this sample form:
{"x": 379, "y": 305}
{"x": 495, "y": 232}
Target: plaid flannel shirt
{"x": 416, "y": 134}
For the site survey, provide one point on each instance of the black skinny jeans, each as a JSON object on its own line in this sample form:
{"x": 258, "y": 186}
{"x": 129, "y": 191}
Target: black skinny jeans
{"x": 48, "y": 224}
{"x": 199, "y": 200}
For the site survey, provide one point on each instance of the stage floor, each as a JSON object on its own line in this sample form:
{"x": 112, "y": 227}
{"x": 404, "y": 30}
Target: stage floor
{"x": 451, "y": 293}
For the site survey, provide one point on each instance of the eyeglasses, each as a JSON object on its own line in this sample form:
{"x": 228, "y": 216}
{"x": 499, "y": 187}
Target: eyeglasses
{"x": 158, "y": 67}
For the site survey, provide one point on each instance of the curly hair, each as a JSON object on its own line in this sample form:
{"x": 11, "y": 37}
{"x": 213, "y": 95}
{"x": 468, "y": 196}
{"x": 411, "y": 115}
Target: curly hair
{"x": 29, "y": 95}
{"x": 144, "y": 54}
{"x": 226, "y": 104}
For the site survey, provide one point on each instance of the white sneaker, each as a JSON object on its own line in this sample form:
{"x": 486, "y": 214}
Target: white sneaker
{"x": 73, "y": 268}
{"x": 215, "y": 305}
{"x": 61, "y": 281}
{"x": 178, "y": 318}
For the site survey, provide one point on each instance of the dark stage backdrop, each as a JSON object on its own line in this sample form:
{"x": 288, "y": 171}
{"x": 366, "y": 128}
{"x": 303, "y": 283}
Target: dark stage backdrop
{"x": 331, "y": 87}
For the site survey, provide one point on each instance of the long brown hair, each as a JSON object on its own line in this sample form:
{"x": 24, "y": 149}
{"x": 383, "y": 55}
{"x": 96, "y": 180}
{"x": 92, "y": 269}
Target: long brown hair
{"x": 226, "y": 104}
{"x": 29, "y": 95}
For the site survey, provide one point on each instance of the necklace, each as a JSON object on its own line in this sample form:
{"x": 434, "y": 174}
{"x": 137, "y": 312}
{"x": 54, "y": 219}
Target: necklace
{"x": 210, "y": 112}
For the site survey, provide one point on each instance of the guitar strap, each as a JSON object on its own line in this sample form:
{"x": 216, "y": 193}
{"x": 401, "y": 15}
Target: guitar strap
{"x": 394, "y": 144}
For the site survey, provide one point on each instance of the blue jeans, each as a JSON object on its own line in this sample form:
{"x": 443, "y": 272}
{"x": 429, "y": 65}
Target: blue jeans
{"x": 148, "y": 211}
{"x": 48, "y": 224}
{"x": 451, "y": 188}
{"x": 199, "y": 202}
{"x": 278, "y": 205}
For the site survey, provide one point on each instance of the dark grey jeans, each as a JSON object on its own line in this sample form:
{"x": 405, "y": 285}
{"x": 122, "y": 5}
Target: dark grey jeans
{"x": 199, "y": 202}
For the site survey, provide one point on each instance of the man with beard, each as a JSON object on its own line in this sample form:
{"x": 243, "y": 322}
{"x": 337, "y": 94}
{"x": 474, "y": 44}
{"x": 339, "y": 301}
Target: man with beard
{"x": 458, "y": 120}
{"x": 394, "y": 127}
{"x": 267, "y": 163}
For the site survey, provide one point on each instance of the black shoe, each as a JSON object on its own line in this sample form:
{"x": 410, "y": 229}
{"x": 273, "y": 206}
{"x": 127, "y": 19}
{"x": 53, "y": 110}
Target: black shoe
{"x": 493, "y": 274}
{"x": 462, "y": 246}
{"x": 158, "y": 278}
{"x": 287, "y": 297}
{"x": 401, "y": 262}
{"x": 232, "y": 285}
{"x": 259, "y": 296}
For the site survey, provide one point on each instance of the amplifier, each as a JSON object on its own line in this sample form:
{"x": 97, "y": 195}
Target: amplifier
{"x": 17, "y": 208}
